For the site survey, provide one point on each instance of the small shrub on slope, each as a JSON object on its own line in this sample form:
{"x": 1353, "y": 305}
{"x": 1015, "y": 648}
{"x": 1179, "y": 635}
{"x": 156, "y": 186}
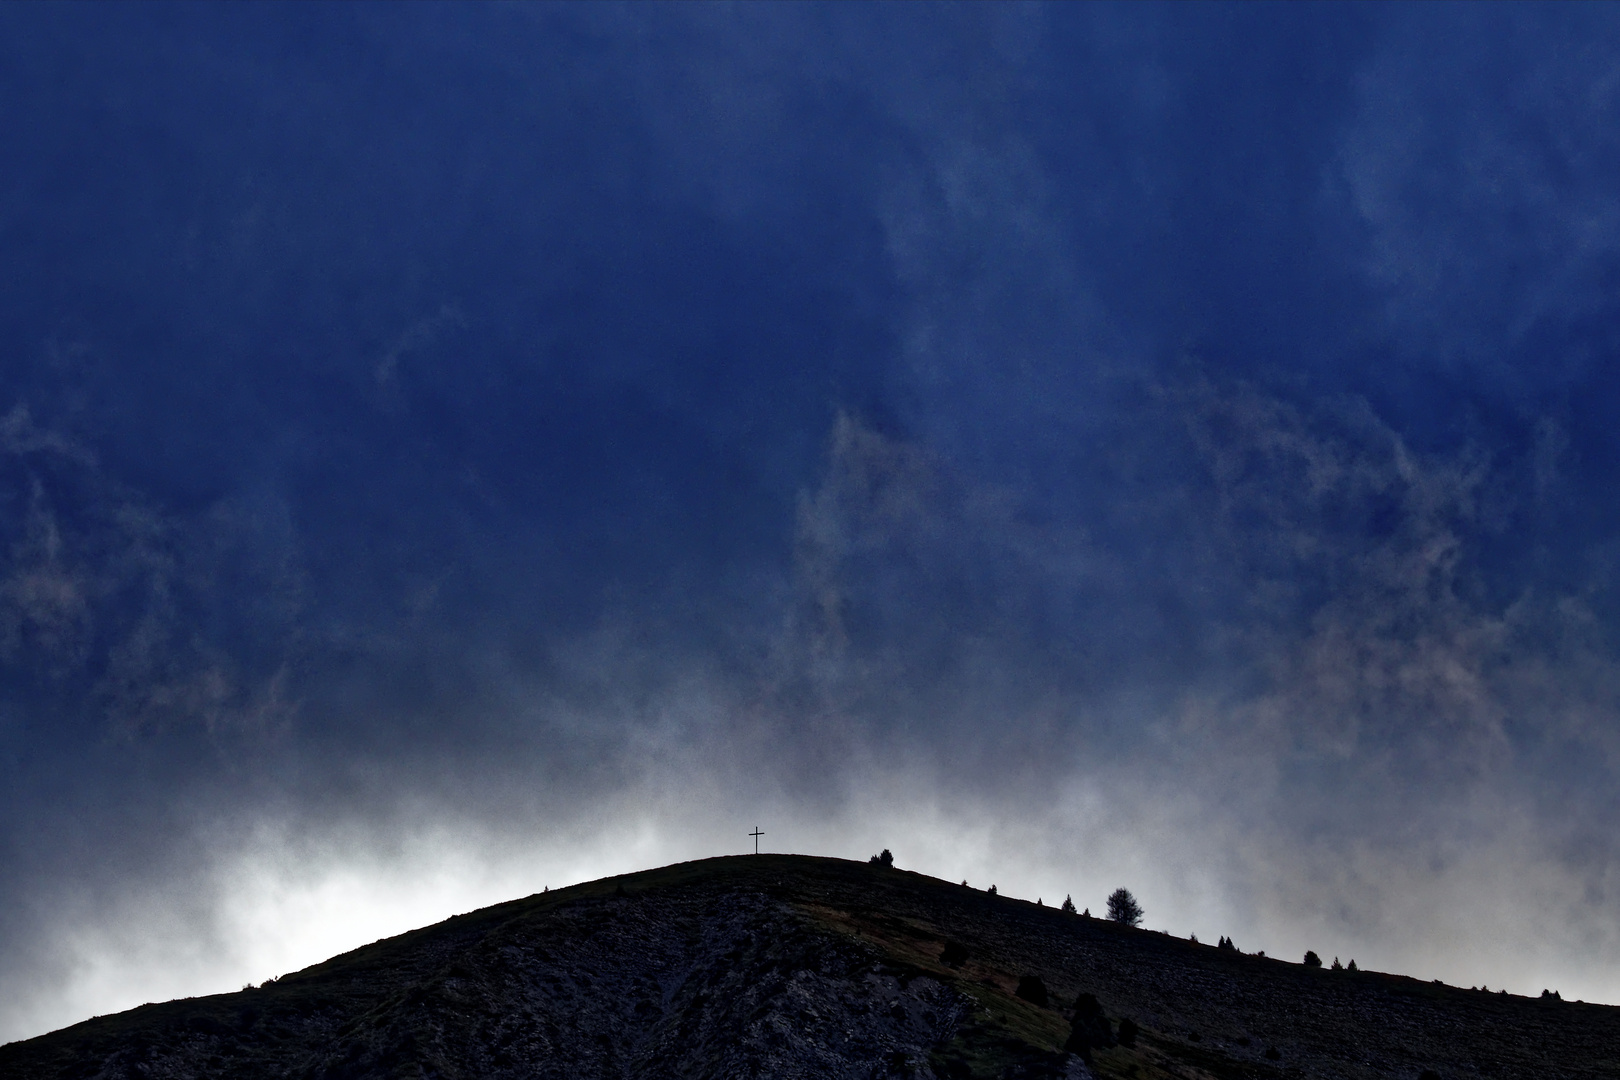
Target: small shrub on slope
{"x": 1032, "y": 990}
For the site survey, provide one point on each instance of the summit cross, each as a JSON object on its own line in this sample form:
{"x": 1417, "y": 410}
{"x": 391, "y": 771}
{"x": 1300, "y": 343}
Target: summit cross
{"x": 756, "y": 834}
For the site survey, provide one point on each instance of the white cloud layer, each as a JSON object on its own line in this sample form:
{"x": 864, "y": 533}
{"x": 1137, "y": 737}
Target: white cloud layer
{"x": 277, "y": 899}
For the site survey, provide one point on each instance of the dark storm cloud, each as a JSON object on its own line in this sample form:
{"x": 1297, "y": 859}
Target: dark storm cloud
{"x": 1187, "y": 424}
{"x": 1499, "y": 139}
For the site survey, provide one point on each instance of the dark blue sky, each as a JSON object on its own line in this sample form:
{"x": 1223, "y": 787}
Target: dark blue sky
{"x": 1061, "y": 443}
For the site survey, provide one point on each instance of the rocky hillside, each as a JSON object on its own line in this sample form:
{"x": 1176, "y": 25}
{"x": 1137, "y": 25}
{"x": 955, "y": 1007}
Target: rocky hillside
{"x": 788, "y": 966}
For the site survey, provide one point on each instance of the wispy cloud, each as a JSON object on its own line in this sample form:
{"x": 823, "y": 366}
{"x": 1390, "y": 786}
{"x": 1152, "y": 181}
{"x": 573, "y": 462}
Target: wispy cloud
{"x": 101, "y": 592}
{"x": 1077, "y": 446}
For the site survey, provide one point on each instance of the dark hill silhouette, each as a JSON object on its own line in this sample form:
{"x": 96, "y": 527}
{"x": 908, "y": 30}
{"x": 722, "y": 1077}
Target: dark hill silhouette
{"x": 790, "y": 966}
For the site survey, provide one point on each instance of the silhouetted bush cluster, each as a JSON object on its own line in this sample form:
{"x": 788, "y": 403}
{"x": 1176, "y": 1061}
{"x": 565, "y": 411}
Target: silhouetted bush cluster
{"x": 1312, "y": 960}
{"x": 1226, "y": 944}
{"x": 882, "y": 858}
{"x": 954, "y": 955}
{"x": 1089, "y": 1029}
{"x": 1127, "y": 1032}
{"x": 1551, "y": 995}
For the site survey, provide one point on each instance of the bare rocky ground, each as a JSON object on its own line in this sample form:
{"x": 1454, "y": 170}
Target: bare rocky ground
{"x": 788, "y": 966}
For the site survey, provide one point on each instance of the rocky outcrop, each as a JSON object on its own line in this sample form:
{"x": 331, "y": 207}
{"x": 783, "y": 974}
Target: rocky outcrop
{"x": 648, "y": 986}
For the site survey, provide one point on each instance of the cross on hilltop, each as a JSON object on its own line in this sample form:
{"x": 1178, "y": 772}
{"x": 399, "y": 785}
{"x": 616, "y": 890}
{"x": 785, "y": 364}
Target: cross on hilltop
{"x": 756, "y": 834}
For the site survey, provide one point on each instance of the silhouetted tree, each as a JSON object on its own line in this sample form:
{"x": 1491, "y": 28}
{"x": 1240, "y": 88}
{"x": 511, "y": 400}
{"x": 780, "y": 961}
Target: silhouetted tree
{"x": 882, "y": 858}
{"x": 1226, "y": 944}
{"x": 1351, "y": 966}
{"x": 1068, "y": 905}
{"x": 1336, "y": 965}
{"x": 991, "y": 890}
{"x": 1123, "y": 908}
{"x": 1311, "y": 959}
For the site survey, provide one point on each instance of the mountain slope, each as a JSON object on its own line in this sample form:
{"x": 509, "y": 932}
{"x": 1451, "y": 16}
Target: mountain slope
{"x": 790, "y": 966}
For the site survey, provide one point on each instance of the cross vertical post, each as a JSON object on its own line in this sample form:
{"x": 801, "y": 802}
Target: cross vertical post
{"x": 756, "y": 834}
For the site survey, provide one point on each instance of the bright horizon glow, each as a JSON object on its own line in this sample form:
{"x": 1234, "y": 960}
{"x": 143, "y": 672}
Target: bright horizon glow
{"x": 284, "y": 902}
